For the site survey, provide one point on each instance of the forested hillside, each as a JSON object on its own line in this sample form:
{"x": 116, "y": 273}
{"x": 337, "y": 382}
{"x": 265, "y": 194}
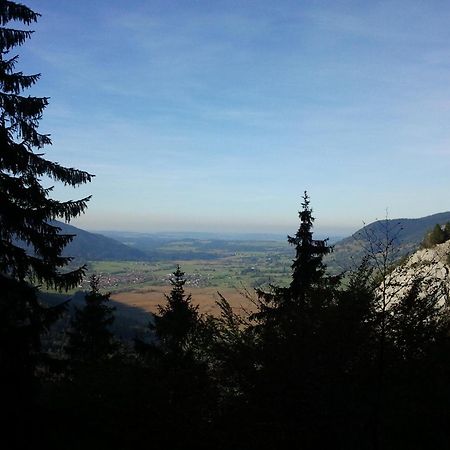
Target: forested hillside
{"x": 88, "y": 246}
{"x": 406, "y": 236}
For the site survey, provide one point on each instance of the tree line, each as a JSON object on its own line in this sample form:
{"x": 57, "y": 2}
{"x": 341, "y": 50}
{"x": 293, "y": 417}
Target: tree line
{"x": 325, "y": 361}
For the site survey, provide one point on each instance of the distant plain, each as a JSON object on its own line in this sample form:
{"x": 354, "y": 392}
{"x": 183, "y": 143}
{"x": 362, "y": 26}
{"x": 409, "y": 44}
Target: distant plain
{"x": 233, "y": 266}
{"x": 234, "y": 272}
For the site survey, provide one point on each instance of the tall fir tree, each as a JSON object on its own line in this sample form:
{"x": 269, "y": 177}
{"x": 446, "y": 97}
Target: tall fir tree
{"x": 178, "y": 319}
{"x": 307, "y": 268}
{"x": 90, "y": 337}
{"x": 290, "y": 358}
{"x": 26, "y": 209}
{"x": 30, "y": 245}
{"x": 308, "y": 279}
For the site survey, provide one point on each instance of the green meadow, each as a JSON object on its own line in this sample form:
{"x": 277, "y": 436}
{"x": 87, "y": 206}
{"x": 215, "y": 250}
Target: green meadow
{"x": 247, "y": 264}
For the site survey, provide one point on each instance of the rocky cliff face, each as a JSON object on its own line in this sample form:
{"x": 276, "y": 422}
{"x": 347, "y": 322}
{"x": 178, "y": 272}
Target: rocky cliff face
{"x": 428, "y": 266}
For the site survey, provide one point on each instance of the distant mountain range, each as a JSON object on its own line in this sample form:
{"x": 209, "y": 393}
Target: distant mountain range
{"x": 204, "y": 246}
{"x": 196, "y": 235}
{"x": 120, "y": 246}
{"x": 406, "y": 235}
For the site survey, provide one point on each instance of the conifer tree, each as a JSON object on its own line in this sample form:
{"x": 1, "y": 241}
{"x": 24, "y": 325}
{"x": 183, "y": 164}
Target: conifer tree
{"x": 291, "y": 329}
{"x": 308, "y": 272}
{"x": 26, "y": 209}
{"x": 30, "y": 246}
{"x": 178, "y": 319}
{"x": 90, "y": 337}
{"x": 307, "y": 268}
{"x": 437, "y": 235}
{"x": 447, "y": 231}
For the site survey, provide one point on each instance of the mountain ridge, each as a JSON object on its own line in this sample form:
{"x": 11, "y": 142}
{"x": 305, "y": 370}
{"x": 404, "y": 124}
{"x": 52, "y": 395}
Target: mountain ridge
{"x": 93, "y": 246}
{"x": 405, "y": 234}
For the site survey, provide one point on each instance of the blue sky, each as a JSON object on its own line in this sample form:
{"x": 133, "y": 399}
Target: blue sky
{"x": 217, "y": 115}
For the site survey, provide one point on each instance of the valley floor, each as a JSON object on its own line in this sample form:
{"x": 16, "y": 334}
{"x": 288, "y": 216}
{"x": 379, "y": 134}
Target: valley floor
{"x": 148, "y": 299}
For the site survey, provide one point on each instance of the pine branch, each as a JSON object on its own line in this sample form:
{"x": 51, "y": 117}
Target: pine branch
{"x": 10, "y": 37}
{"x": 18, "y": 159}
{"x": 15, "y": 11}
{"x": 16, "y": 82}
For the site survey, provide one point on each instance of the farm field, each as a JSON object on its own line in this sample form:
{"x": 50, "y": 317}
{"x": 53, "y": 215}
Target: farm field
{"x": 143, "y": 284}
{"x": 148, "y": 299}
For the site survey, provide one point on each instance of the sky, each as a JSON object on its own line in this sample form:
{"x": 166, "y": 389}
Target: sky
{"x": 217, "y": 115}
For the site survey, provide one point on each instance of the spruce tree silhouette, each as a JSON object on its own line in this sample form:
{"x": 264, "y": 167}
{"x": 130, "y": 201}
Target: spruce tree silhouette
{"x": 26, "y": 212}
{"x": 26, "y": 208}
{"x": 175, "y": 361}
{"x": 291, "y": 355}
{"x": 178, "y": 319}
{"x": 308, "y": 280}
{"x": 90, "y": 337}
{"x": 308, "y": 269}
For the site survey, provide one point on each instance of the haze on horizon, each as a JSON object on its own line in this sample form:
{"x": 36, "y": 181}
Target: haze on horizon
{"x": 216, "y": 116}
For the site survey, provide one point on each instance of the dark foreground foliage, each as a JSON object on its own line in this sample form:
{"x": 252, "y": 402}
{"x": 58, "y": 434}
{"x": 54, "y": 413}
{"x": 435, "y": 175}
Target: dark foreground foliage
{"x": 317, "y": 365}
